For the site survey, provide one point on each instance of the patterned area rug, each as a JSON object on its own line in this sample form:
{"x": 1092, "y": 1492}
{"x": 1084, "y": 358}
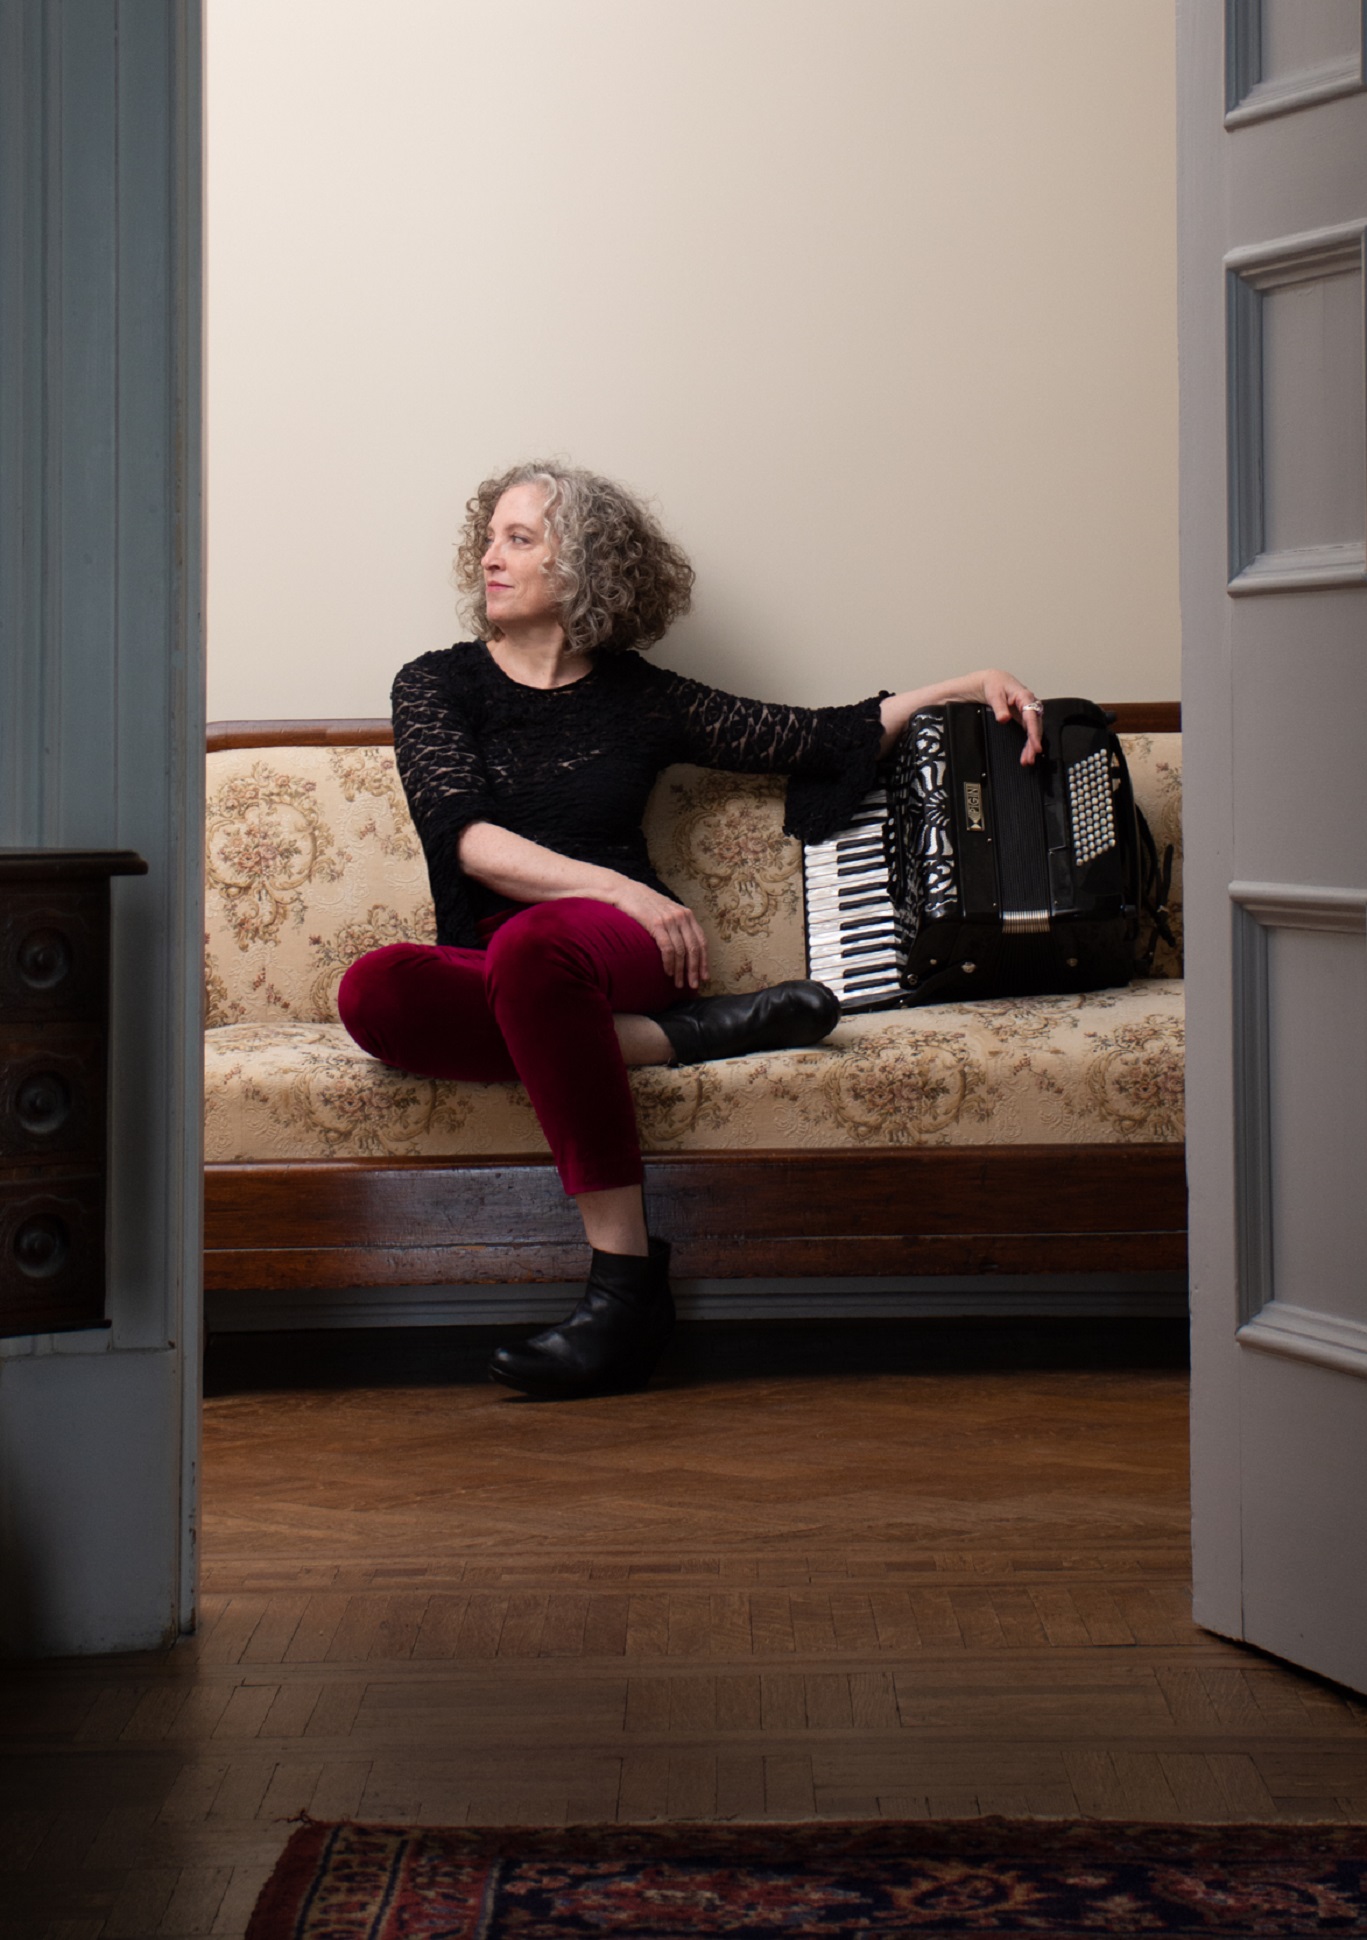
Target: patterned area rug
{"x": 1049, "y": 1879}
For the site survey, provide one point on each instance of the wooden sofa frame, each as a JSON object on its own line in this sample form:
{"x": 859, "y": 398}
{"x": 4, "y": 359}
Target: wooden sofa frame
{"x": 958, "y": 1210}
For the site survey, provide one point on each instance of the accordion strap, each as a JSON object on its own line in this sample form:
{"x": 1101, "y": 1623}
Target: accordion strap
{"x": 1155, "y": 883}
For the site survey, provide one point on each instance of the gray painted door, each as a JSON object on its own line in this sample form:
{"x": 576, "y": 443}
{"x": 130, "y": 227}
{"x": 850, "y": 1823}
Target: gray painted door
{"x": 102, "y": 747}
{"x": 1272, "y": 214}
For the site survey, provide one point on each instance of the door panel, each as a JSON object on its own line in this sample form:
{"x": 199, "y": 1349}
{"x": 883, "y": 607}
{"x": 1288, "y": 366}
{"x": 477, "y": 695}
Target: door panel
{"x": 1317, "y": 1117}
{"x": 1281, "y": 641}
{"x": 1299, "y": 36}
{"x": 1305, "y": 1514}
{"x": 1273, "y": 347}
{"x": 1285, "y": 55}
{"x": 1298, "y": 497}
{"x": 1312, "y": 389}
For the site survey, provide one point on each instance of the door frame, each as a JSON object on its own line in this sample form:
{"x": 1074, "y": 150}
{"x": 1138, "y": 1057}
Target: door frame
{"x": 101, "y": 746}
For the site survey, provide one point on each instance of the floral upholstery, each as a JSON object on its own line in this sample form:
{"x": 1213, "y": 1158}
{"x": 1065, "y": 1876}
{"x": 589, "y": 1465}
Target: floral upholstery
{"x": 312, "y": 859}
{"x": 1155, "y": 763}
{"x": 1055, "y": 1070}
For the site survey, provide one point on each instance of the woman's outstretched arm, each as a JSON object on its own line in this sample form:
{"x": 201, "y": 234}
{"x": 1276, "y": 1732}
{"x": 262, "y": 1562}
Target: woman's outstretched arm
{"x": 1002, "y": 692}
{"x": 721, "y": 730}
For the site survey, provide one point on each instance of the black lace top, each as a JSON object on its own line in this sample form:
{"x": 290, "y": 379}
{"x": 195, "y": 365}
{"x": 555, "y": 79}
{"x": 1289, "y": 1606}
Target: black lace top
{"x": 572, "y": 767}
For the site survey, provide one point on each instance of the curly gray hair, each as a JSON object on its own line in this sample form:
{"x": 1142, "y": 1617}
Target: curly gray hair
{"x": 619, "y": 580}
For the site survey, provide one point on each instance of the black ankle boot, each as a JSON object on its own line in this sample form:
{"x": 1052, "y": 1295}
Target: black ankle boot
{"x": 781, "y": 1018}
{"x": 611, "y": 1341}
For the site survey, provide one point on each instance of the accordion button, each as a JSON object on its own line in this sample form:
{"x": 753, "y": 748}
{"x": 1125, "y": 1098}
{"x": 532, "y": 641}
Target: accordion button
{"x": 969, "y": 968}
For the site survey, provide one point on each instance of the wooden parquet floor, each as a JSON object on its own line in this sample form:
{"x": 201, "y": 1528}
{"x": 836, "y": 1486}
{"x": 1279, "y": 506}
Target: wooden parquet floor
{"x": 850, "y": 1594}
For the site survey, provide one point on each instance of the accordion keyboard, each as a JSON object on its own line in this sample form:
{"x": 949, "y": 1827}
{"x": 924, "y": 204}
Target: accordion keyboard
{"x": 852, "y": 943}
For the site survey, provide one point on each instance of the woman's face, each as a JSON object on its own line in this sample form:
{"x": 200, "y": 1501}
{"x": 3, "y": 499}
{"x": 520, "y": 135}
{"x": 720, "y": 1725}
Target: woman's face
{"x": 517, "y": 560}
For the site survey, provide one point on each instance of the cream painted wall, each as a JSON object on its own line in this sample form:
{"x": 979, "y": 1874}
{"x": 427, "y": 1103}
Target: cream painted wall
{"x": 876, "y": 298}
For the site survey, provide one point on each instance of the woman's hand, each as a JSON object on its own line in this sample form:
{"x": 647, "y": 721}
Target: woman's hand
{"x": 1010, "y": 700}
{"x": 677, "y": 931}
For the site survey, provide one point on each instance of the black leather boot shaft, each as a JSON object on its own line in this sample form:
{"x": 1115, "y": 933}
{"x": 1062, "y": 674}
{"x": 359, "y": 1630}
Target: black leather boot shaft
{"x": 612, "y": 1340}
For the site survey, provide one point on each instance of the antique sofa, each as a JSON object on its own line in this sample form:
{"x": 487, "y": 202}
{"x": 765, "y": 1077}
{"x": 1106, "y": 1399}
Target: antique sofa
{"x": 1014, "y": 1137}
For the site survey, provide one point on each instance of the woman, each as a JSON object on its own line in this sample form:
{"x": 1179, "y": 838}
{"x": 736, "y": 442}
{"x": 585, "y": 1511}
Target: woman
{"x": 527, "y": 756}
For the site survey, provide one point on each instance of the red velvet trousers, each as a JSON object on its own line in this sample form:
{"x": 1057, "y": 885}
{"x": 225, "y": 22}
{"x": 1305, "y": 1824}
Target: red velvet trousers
{"x": 536, "y": 1004}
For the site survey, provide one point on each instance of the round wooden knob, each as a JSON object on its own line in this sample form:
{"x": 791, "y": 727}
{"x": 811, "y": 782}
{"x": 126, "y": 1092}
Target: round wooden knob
{"x": 41, "y": 1246}
{"x": 42, "y": 1103}
{"x": 44, "y": 958}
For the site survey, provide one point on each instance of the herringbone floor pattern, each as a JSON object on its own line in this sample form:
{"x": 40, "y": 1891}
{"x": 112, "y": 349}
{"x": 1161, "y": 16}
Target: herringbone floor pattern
{"x": 851, "y": 1594}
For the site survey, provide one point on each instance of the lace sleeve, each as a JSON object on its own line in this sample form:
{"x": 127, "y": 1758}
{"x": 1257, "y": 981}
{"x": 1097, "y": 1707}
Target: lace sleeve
{"x": 437, "y": 756}
{"x": 829, "y": 753}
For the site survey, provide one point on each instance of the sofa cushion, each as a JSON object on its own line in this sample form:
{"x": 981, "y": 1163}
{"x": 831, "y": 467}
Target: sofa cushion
{"x": 1100, "y": 1069}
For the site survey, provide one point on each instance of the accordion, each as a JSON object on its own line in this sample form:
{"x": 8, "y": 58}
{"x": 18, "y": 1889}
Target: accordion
{"x": 966, "y": 875}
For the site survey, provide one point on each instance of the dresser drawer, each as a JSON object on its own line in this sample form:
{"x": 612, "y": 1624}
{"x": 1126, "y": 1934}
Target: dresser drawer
{"x": 54, "y": 950}
{"x": 51, "y": 1248}
{"x": 52, "y": 1093}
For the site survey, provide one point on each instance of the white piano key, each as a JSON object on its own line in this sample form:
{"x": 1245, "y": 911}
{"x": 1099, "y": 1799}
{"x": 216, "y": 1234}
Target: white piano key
{"x": 874, "y": 976}
{"x": 878, "y": 963}
{"x": 854, "y": 952}
{"x": 862, "y": 879}
{"x": 868, "y": 999}
{"x": 834, "y": 945}
{"x": 873, "y": 923}
{"x": 852, "y": 902}
{"x": 877, "y": 968}
{"x": 835, "y": 878}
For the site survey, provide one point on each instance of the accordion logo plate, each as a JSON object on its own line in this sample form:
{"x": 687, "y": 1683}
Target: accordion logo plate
{"x": 973, "y": 808}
